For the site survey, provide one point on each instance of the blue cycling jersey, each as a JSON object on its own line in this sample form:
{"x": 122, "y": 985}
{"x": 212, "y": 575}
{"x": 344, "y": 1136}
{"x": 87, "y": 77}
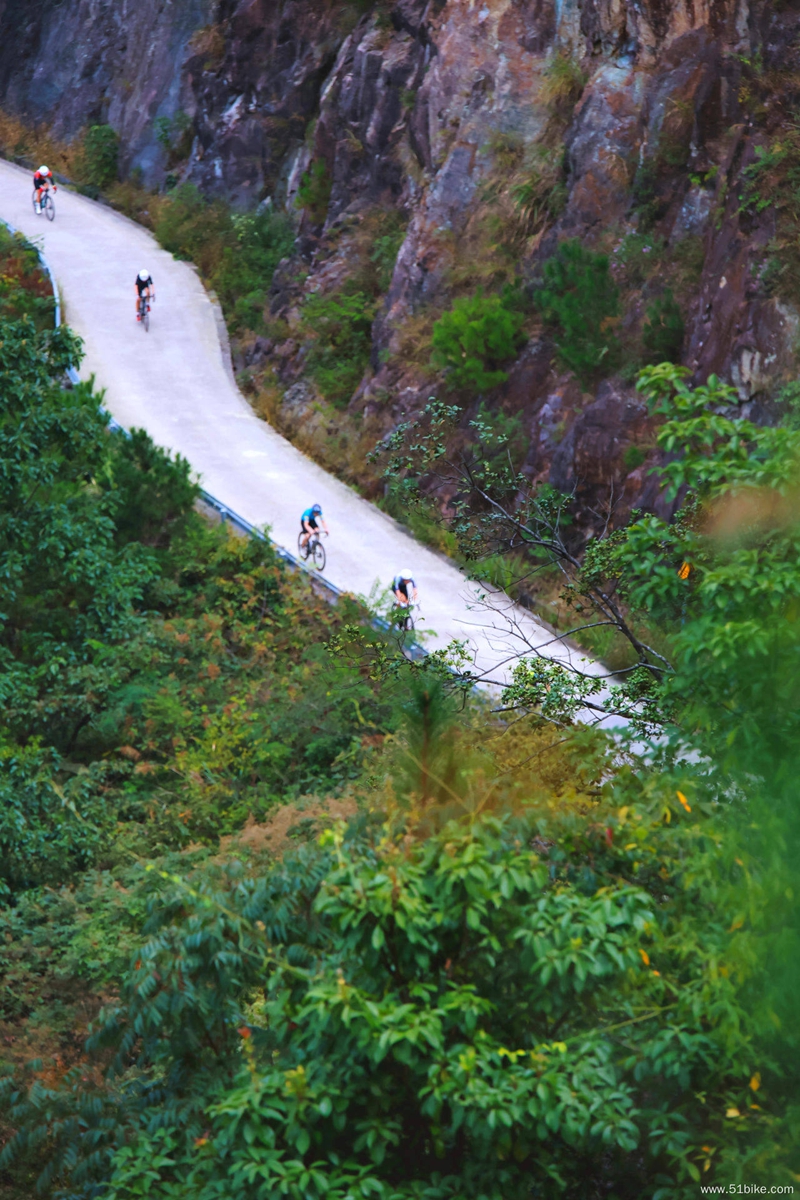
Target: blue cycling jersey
{"x": 310, "y": 516}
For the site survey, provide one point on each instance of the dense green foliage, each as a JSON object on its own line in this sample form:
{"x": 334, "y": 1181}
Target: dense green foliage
{"x": 431, "y": 1020}
{"x": 99, "y": 158}
{"x": 472, "y": 340}
{"x": 23, "y": 289}
{"x": 339, "y": 328}
{"x": 237, "y": 254}
{"x": 580, "y": 300}
{"x": 532, "y": 963}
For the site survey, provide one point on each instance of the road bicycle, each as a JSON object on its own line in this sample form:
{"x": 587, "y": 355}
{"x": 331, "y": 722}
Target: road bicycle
{"x": 313, "y": 549}
{"x": 403, "y": 616}
{"x": 47, "y": 204}
{"x": 144, "y": 313}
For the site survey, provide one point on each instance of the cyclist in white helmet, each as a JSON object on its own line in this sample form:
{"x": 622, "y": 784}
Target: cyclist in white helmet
{"x": 405, "y": 589}
{"x": 42, "y": 180}
{"x": 144, "y": 288}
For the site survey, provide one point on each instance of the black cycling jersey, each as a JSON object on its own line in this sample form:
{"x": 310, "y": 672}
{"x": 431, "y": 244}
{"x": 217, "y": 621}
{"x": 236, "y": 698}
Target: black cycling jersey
{"x": 144, "y": 283}
{"x": 40, "y": 180}
{"x": 403, "y": 585}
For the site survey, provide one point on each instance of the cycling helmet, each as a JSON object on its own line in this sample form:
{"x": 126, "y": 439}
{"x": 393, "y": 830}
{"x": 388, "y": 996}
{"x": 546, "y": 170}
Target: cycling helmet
{"x": 144, "y": 275}
{"x": 316, "y": 508}
{"x": 406, "y": 574}
{"x": 44, "y": 170}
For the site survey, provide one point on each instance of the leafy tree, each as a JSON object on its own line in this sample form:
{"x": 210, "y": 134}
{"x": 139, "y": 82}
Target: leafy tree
{"x": 153, "y": 491}
{"x": 579, "y": 297}
{"x": 473, "y": 338}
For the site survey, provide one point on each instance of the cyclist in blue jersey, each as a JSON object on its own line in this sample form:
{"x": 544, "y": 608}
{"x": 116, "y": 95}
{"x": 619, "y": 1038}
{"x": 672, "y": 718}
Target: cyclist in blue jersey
{"x": 310, "y": 522}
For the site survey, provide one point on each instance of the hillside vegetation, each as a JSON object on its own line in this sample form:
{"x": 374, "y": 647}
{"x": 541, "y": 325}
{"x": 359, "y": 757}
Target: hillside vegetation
{"x": 286, "y": 914}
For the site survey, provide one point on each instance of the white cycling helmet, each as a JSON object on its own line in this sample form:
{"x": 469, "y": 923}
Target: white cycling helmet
{"x": 44, "y": 170}
{"x": 406, "y": 574}
{"x": 144, "y": 275}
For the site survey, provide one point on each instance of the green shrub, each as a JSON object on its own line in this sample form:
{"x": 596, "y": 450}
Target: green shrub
{"x": 314, "y": 192}
{"x": 99, "y": 159}
{"x": 237, "y": 254}
{"x": 579, "y": 297}
{"x": 474, "y": 337}
{"x": 257, "y": 243}
{"x": 340, "y": 329}
{"x": 663, "y": 330}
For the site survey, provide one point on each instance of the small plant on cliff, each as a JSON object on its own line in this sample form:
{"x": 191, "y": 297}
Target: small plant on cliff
{"x": 315, "y": 191}
{"x": 540, "y": 197}
{"x": 579, "y": 297}
{"x": 174, "y": 136}
{"x": 563, "y": 83}
{"x": 474, "y": 338}
{"x": 663, "y": 330}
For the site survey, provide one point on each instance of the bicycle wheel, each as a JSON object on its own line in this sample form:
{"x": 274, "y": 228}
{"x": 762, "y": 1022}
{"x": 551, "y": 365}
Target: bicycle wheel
{"x": 146, "y": 318}
{"x": 49, "y": 207}
{"x": 302, "y": 550}
{"x": 408, "y": 623}
{"x": 33, "y": 200}
{"x": 318, "y": 550}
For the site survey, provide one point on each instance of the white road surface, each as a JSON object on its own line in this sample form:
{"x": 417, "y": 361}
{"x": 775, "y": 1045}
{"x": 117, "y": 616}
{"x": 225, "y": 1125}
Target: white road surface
{"x": 176, "y": 383}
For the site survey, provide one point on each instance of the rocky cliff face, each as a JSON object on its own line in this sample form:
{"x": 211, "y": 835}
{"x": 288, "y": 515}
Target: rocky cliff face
{"x": 97, "y": 61}
{"x": 488, "y": 130}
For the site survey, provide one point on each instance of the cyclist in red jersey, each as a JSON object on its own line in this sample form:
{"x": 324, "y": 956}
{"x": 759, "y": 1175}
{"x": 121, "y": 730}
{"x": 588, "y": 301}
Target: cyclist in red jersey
{"x": 42, "y": 180}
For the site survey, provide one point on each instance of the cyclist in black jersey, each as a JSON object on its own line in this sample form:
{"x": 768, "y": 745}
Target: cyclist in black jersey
{"x": 144, "y": 288}
{"x": 405, "y": 589}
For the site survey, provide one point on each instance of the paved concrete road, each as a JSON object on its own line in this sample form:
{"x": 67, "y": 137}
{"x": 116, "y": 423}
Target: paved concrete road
{"x": 176, "y": 383}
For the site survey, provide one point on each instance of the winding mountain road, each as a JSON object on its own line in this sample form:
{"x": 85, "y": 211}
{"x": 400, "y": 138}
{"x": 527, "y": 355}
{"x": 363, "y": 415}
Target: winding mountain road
{"x": 176, "y": 382}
